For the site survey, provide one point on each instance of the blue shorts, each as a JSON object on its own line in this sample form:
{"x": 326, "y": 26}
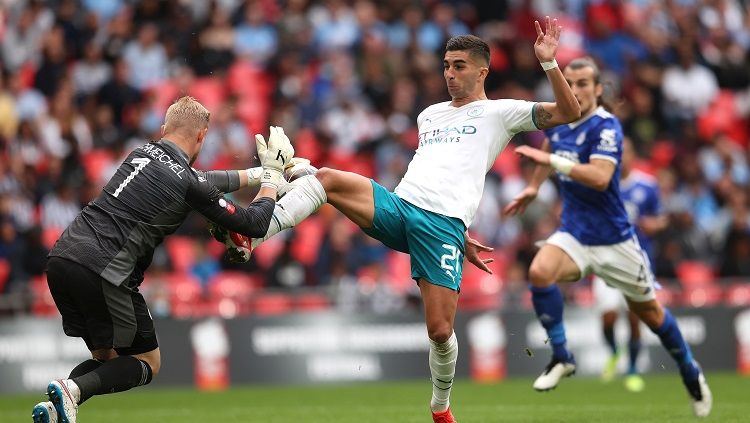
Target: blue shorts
{"x": 434, "y": 241}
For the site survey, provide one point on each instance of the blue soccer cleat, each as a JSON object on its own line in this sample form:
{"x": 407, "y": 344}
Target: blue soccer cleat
{"x": 64, "y": 394}
{"x": 44, "y": 412}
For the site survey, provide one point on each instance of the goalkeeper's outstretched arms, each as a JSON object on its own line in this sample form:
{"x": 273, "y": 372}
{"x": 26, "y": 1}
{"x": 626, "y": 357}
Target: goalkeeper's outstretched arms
{"x": 252, "y": 221}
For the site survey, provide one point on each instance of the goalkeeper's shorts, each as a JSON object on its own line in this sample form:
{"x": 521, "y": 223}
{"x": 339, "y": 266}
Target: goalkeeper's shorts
{"x": 435, "y": 242}
{"x": 104, "y": 315}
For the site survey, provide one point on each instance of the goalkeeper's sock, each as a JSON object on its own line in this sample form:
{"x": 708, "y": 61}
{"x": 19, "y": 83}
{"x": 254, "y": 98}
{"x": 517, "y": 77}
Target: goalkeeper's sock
{"x": 116, "y": 375}
{"x": 442, "y": 369}
{"x": 87, "y": 366}
{"x": 295, "y": 206}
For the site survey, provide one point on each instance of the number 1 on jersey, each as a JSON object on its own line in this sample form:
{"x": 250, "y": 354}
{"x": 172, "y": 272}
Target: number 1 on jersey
{"x": 140, "y": 163}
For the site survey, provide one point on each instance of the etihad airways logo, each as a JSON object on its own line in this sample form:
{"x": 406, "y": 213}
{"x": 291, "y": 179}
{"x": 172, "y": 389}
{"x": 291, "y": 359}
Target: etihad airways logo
{"x": 449, "y": 134}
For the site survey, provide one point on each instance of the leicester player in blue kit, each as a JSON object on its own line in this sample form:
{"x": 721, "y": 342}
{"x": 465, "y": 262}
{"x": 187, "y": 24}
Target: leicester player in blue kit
{"x": 640, "y": 194}
{"x": 595, "y": 235}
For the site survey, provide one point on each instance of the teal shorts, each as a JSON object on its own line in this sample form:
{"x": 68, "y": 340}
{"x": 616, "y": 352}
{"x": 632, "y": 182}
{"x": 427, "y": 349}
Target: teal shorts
{"x": 434, "y": 241}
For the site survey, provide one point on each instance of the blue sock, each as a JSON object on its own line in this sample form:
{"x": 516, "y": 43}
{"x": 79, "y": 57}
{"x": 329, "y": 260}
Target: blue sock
{"x": 548, "y": 304}
{"x": 671, "y": 338}
{"x": 634, "y": 348}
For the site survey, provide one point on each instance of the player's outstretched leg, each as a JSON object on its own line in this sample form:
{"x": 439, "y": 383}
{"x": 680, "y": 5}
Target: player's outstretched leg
{"x": 303, "y": 200}
{"x": 663, "y": 324}
{"x": 44, "y": 412}
{"x": 548, "y": 305}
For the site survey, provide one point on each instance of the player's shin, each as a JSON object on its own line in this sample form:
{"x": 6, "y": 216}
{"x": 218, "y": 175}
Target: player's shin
{"x": 672, "y": 340}
{"x": 116, "y": 375}
{"x": 442, "y": 369}
{"x": 548, "y": 305}
{"x": 295, "y": 206}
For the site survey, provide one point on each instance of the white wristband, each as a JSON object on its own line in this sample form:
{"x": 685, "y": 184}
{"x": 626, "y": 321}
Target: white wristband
{"x": 549, "y": 65}
{"x": 560, "y": 163}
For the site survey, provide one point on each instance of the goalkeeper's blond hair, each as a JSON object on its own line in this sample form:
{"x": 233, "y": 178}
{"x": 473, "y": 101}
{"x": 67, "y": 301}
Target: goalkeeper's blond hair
{"x": 186, "y": 114}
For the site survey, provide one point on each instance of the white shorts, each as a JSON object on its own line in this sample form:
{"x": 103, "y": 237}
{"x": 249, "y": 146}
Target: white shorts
{"x": 623, "y": 266}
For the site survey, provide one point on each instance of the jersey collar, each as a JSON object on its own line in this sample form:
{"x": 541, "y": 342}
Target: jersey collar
{"x": 175, "y": 149}
{"x": 579, "y": 122}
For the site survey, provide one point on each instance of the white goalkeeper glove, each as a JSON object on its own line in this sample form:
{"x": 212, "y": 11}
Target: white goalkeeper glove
{"x": 274, "y": 155}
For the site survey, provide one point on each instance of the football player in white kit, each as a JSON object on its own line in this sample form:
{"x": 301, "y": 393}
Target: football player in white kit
{"x": 640, "y": 194}
{"x": 594, "y": 235}
{"x": 430, "y": 210}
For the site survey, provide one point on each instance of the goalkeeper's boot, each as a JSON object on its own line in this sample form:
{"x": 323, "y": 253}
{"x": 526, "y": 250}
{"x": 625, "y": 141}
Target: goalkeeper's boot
{"x": 610, "y": 369}
{"x": 700, "y": 394}
{"x": 555, "y": 370}
{"x": 44, "y": 412}
{"x": 443, "y": 416}
{"x": 64, "y": 394}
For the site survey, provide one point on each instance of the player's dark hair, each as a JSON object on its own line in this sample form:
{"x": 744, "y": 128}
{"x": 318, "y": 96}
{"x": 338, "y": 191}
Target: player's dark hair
{"x": 471, "y": 43}
{"x": 587, "y": 62}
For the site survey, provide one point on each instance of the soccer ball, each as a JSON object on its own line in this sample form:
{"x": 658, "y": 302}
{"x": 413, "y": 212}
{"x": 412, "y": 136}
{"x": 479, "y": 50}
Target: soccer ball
{"x": 238, "y": 246}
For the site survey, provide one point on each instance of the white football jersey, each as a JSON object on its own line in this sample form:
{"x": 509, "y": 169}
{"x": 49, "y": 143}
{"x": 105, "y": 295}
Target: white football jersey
{"x": 457, "y": 146}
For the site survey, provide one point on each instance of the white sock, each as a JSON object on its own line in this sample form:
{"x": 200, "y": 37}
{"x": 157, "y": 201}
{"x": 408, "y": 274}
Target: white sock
{"x": 295, "y": 206}
{"x": 442, "y": 368}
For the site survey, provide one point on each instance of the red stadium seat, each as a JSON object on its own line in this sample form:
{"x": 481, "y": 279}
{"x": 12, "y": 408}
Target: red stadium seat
{"x": 181, "y": 251}
{"x": 95, "y": 163}
{"x": 4, "y": 273}
{"x": 232, "y": 284}
{"x": 312, "y": 302}
{"x": 186, "y": 295}
{"x": 42, "y": 302}
{"x": 50, "y": 235}
{"x": 269, "y": 304}
{"x": 695, "y": 274}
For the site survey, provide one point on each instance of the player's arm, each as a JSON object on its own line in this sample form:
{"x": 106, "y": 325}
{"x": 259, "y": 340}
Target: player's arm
{"x": 596, "y": 175}
{"x": 524, "y": 198}
{"x": 565, "y": 109}
{"x": 252, "y": 221}
{"x": 653, "y": 220}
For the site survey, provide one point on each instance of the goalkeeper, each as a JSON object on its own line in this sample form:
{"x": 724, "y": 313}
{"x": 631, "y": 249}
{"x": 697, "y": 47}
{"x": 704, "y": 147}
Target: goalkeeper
{"x": 96, "y": 266}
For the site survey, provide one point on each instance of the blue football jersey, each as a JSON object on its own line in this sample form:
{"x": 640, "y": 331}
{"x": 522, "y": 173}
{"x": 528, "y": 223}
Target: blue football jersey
{"x": 592, "y": 217}
{"x": 640, "y": 193}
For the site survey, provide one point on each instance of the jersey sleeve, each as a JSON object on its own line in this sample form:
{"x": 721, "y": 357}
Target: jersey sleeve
{"x": 223, "y": 180}
{"x": 517, "y": 115}
{"x": 652, "y": 205}
{"x": 252, "y": 221}
{"x": 607, "y": 141}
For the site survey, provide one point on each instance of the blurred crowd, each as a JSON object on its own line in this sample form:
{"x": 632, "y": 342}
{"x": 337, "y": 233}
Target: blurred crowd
{"x": 82, "y": 82}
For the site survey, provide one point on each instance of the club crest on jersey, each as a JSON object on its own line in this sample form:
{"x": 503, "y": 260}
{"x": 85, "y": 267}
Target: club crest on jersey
{"x": 475, "y": 111}
{"x": 227, "y": 205}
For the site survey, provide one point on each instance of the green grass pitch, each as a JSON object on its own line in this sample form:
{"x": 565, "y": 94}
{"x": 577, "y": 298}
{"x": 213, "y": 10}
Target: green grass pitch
{"x": 575, "y": 400}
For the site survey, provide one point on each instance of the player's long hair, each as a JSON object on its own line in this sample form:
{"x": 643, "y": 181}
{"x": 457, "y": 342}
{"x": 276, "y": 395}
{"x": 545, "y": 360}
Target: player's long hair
{"x": 588, "y": 62}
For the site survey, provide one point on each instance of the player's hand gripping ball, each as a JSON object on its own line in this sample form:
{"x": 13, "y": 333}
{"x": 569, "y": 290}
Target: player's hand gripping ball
{"x": 238, "y": 246}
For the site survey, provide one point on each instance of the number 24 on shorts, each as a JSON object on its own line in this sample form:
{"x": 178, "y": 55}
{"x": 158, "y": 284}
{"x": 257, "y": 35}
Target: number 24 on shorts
{"x": 453, "y": 255}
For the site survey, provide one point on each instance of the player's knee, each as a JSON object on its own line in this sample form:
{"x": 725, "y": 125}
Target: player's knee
{"x": 104, "y": 355}
{"x": 540, "y": 275}
{"x": 440, "y": 332}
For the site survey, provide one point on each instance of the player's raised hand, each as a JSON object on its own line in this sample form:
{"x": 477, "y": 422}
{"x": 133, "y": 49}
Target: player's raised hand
{"x": 473, "y": 248}
{"x": 274, "y": 155}
{"x": 536, "y": 155}
{"x": 546, "y": 42}
{"x": 520, "y": 202}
